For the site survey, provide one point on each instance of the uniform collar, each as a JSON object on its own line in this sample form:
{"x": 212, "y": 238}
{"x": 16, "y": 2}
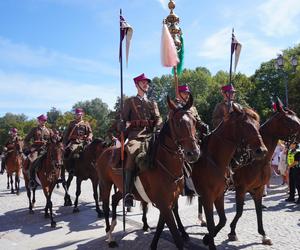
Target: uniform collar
{"x": 142, "y": 98}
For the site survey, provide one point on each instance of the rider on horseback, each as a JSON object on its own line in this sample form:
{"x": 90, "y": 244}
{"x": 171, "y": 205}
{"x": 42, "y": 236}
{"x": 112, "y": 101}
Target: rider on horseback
{"x": 77, "y": 135}
{"x": 13, "y": 137}
{"x": 40, "y": 136}
{"x": 222, "y": 108}
{"x": 141, "y": 117}
{"x": 184, "y": 95}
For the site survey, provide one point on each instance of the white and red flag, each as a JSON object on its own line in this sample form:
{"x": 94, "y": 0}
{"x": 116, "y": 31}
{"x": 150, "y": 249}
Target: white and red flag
{"x": 236, "y": 49}
{"x": 126, "y": 30}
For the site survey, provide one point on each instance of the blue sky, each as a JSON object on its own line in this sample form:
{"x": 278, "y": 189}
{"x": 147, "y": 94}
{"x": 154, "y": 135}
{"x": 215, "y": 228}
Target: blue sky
{"x": 54, "y": 53}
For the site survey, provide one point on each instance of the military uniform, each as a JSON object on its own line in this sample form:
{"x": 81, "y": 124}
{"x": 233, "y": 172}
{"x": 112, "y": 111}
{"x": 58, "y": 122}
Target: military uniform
{"x": 8, "y": 146}
{"x": 77, "y": 136}
{"x": 142, "y": 118}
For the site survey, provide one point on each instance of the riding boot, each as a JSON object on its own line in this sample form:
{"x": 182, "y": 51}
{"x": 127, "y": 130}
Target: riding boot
{"x": 128, "y": 188}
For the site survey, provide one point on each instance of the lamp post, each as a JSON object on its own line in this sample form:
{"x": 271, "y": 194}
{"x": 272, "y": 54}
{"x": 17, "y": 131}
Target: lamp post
{"x": 279, "y": 64}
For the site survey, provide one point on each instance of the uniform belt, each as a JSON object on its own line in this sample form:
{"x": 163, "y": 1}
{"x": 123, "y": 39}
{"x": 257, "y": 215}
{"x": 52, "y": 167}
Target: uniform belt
{"x": 141, "y": 123}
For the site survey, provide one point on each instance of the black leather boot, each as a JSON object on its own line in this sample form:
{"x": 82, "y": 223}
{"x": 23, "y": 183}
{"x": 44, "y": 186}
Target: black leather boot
{"x": 128, "y": 188}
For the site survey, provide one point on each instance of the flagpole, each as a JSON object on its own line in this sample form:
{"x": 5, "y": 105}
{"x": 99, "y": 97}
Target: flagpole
{"x": 231, "y": 54}
{"x": 121, "y": 118}
{"x": 172, "y": 22}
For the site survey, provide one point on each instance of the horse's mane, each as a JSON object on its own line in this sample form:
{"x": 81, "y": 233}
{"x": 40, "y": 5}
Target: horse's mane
{"x": 252, "y": 114}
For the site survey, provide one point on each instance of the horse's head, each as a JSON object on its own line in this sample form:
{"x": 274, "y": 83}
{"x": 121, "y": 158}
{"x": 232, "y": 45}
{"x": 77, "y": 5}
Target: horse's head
{"x": 284, "y": 124}
{"x": 242, "y": 126}
{"x": 55, "y": 151}
{"x": 183, "y": 129}
{"x": 19, "y": 145}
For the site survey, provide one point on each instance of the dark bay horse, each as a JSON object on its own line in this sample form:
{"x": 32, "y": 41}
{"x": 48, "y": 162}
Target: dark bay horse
{"x": 14, "y": 165}
{"x": 48, "y": 174}
{"x": 282, "y": 125}
{"x": 161, "y": 184}
{"x": 84, "y": 168}
{"x": 240, "y": 128}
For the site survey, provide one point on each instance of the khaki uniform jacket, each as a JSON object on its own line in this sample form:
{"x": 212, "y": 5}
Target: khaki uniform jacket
{"x": 11, "y": 141}
{"x": 138, "y": 112}
{"x": 78, "y": 131}
{"x": 38, "y": 136}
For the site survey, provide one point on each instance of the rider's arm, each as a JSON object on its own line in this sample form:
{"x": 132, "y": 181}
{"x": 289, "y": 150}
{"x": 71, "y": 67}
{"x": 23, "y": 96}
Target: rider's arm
{"x": 157, "y": 117}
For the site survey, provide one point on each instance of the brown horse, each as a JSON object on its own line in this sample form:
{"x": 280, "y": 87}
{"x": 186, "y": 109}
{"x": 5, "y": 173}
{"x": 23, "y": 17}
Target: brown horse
{"x": 84, "y": 168}
{"x": 283, "y": 125}
{"x": 238, "y": 129}
{"x": 48, "y": 174}
{"x": 14, "y": 160}
{"x": 162, "y": 183}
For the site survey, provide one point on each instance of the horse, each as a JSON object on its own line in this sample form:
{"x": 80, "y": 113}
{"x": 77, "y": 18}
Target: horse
{"x": 175, "y": 143}
{"x": 48, "y": 174}
{"x": 84, "y": 168}
{"x": 14, "y": 161}
{"x": 240, "y": 128}
{"x": 282, "y": 125}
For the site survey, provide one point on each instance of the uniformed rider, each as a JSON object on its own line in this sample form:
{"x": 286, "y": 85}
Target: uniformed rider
{"x": 9, "y": 145}
{"x": 35, "y": 144}
{"x": 141, "y": 118}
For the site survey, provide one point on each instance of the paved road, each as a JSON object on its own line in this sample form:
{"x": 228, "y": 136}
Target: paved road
{"x": 21, "y": 230}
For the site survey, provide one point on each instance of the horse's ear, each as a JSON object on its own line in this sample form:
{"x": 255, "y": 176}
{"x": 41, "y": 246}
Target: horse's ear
{"x": 171, "y": 103}
{"x": 189, "y": 103}
{"x": 274, "y": 105}
{"x": 279, "y": 105}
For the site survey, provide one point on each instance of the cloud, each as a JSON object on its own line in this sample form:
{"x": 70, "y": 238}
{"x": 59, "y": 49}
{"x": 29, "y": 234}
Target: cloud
{"x": 35, "y": 94}
{"x": 279, "y": 18}
{"x": 216, "y": 49}
{"x": 25, "y": 56}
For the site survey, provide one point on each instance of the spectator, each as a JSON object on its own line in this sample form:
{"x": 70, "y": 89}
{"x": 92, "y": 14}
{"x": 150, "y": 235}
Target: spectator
{"x": 282, "y": 166}
{"x": 294, "y": 172}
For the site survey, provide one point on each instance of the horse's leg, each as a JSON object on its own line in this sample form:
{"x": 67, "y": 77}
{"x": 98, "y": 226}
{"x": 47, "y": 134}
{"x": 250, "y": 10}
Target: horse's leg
{"x": 33, "y": 197}
{"x": 96, "y": 196}
{"x": 184, "y": 234}
{"x": 239, "y": 199}
{"x": 219, "y": 204}
{"x": 159, "y": 229}
{"x": 29, "y": 198}
{"x": 105, "y": 194}
{"x": 66, "y": 185}
{"x": 169, "y": 219}
{"x": 200, "y": 212}
{"x": 257, "y": 197}
{"x": 11, "y": 184}
{"x": 49, "y": 205}
{"x": 144, "y": 218}
{"x": 8, "y": 187}
{"x": 78, "y": 192}
{"x": 16, "y": 183}
{"x": 208, "y": 239}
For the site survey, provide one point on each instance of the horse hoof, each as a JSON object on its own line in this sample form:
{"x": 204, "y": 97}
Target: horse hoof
{"x": 76, "y": 210}
{"x": 113, "y": 244}
{"x": 12, "y": 192}
{"x": 185, "y": 236}
{"x": 53, "y": 224}
{"x": 205, "y": 239}
{"x": 18, "y": 193}
{"x": 267, "y": 241}
{"x": 232, "y": 237}
{"x": 47, "y": 216}
{"x": 31, "y": 211}
{"x": 146, "y": 228}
